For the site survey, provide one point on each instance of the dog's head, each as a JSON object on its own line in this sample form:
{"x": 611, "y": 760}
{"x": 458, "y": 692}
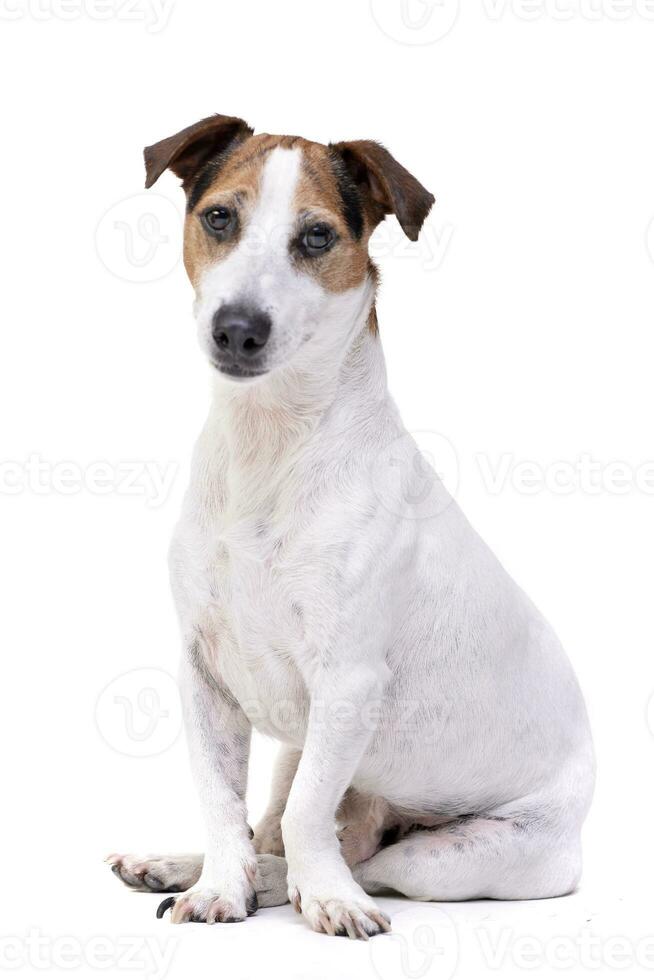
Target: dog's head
{"x": 276, "y": 237}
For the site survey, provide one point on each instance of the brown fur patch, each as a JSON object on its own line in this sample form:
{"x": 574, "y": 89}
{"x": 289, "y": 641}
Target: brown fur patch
{"x": 318, "y": 198}
{"x": 373, "y": 322}
{"x": 237, "y": 185}
{"x": 185, "y": 152}
{"x": 386, "y": 186}
{"x": 349, "y": 185}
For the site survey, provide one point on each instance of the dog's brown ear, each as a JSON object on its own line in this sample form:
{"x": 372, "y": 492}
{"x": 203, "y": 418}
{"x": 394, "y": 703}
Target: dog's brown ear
{"x": 385, "y": 184}
{"x": 186, "y": 151}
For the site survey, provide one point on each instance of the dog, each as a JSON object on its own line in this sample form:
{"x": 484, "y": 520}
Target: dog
{"x": 330, "y": 592}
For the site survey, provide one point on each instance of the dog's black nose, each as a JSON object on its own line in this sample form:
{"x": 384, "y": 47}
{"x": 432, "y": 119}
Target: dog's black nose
{"x": 240, "y": 331}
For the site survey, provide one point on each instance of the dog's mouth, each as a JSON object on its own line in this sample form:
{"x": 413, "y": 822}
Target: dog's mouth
{"x": 236, "y": 371}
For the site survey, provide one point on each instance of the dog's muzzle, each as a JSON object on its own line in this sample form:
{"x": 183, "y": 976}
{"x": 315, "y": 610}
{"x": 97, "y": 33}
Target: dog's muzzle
{"x": 239, "y": 335}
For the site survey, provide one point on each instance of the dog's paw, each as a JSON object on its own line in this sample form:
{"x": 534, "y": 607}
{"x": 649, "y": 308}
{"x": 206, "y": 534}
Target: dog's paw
{"x": 358, "y": 843}
{"x": 270, "y": 882}
{"x": 156, "y": 872}
{"x": 268, "y": 838}
{"x": 354, "y": 915}
{"x": 207, "y": 904}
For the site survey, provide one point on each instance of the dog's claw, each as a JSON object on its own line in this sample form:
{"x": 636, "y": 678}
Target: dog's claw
{"x": 349, "y": 927}
{"x": 327, "y": 925}
{"x": 212, "y": 911}
{"x": 182, "y": 912}
{"x": 165, "y": 905}
{"x": 353, "y": 919}
{"x": 381, "y": 919}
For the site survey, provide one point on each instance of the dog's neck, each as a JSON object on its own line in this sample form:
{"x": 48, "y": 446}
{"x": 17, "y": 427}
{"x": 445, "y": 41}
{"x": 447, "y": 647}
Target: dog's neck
{"x": 265, "y": 428}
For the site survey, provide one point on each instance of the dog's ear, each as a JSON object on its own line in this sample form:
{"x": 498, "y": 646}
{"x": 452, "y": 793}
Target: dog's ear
{"x": 186, "y": 151}
{"x": 385, "y": 184}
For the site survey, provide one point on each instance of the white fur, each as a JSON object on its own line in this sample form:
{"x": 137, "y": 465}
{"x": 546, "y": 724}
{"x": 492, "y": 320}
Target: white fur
{"x": 259, "y": 272}
{"x": 327, "y": 601}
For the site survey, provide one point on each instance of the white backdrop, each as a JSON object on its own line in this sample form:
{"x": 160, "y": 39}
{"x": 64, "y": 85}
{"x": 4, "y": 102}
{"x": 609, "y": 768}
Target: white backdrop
{"x": 518, "y": 335}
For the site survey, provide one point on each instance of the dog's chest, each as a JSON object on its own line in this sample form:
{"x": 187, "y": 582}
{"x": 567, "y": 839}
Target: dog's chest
{"x": 260, "y": 628}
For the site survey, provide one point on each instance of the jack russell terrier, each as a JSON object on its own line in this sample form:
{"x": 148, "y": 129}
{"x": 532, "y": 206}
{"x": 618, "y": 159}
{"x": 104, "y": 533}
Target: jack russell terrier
{"x": 434, "y": 740}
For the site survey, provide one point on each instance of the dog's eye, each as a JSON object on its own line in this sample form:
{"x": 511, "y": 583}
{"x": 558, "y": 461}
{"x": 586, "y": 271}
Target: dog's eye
{"x": 217, "y": 219}
{"x": 318, "y": 238}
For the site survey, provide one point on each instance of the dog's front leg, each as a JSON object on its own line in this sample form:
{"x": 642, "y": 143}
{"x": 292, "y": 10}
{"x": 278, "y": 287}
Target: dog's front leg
{"x": 339, "y": 728}
{"x": 218, "y": 735}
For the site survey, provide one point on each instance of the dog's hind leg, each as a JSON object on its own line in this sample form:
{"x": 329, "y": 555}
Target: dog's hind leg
{"x": 177, "y": 873}
{"x": 268, "y": 832}
{"x": 477, "y": 857}
{"x": 362, "y": 820}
